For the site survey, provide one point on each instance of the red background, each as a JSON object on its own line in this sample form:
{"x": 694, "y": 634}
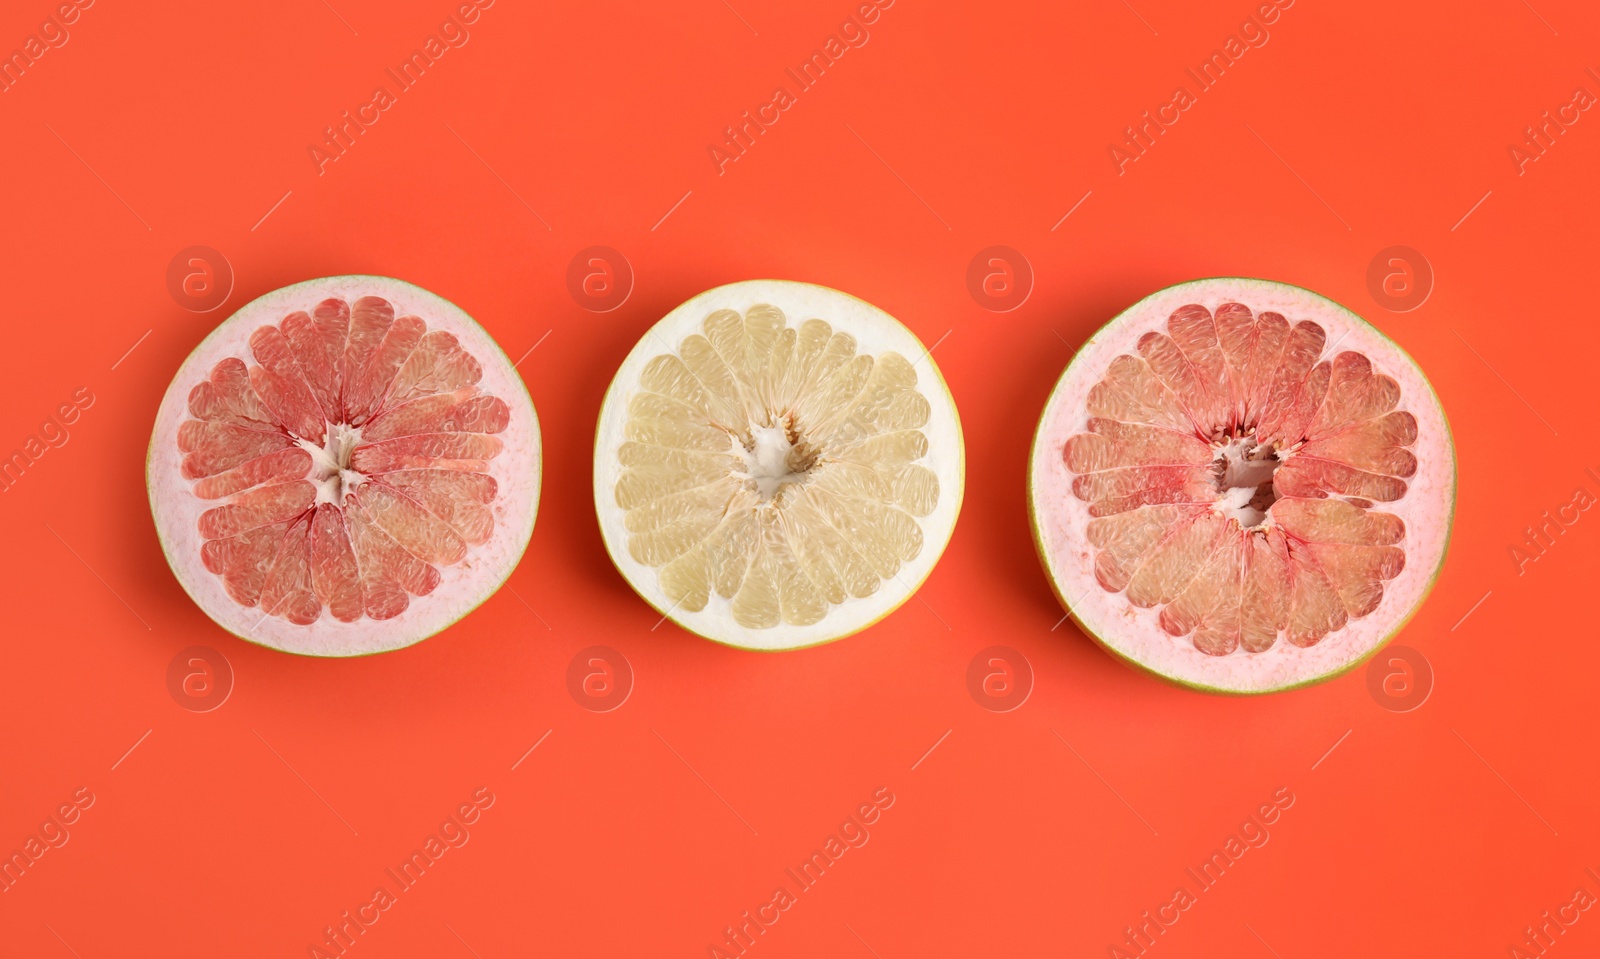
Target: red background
{"x": 1360, "y": 125}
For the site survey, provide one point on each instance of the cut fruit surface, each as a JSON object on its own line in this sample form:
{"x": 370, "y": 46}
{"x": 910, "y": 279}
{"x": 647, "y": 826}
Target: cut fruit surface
{"x": 777, "y": 465}
{"x": 344, "y": 466}
{"x": 1241, "y": 486}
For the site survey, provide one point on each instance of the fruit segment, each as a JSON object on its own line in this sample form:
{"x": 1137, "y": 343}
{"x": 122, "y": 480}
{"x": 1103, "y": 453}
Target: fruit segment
{"x": 349, "y": 457}
{"x": 775, "y": 467}
{"x": 1231, "y": 476}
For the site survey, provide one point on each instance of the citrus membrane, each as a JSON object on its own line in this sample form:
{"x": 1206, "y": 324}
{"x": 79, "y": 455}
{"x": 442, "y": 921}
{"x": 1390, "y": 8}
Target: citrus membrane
{"x": 1241, "y": 486}
{"x": 344, "y": 466}
{"x": 777, "y": 465}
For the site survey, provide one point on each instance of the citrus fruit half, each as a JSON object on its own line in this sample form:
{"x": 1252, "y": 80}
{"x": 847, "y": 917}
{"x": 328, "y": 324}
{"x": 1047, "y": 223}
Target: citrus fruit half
{"x": 1241, "y": 486}
{"x": 344, "y": 466}
{"x": 777, "y": 465}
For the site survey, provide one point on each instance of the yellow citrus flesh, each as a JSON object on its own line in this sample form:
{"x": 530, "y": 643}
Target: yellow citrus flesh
{"x": 774, "y": 466}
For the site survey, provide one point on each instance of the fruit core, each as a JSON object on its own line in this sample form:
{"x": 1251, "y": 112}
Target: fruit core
{"x": 774, "y": 457}
{"x": 330, "y": 463}
{"x": 1244, "y": 473}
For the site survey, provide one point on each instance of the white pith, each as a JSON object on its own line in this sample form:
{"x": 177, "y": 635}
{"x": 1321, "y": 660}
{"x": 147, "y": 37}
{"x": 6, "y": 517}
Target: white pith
{"x": 330, "y": 463}
{"x": 766, "y": 464}
{"x": 1242, "y": 474}
{"x": 1060, "y": 519}
{"x": 463, "y": 586}
{"x": 765, "y": 458}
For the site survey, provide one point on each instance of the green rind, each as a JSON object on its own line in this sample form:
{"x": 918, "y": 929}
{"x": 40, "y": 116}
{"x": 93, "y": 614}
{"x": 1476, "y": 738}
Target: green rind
{"x": 167, "y": 550}
{"x": 1035, "y": 525}
{"x": 961, "y": 488}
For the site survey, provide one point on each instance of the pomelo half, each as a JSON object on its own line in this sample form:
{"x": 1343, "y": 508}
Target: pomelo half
{"x": 344, "y": 466}
{"x": 1241, "y": 486}
{"x": 777, "y": 465}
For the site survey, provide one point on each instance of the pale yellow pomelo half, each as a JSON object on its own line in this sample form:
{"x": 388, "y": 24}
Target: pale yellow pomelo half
{"x": 777, "y": 465}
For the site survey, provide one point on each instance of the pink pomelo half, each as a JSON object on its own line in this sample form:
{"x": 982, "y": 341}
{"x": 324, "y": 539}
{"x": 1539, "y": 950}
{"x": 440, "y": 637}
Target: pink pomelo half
{"x": 344, "y": 466}
{"x": 1241, "y": 486}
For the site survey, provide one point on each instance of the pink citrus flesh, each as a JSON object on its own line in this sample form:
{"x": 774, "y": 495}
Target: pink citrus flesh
{"x": 344, "y": 466}
{"x": 1242, "y": 486}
